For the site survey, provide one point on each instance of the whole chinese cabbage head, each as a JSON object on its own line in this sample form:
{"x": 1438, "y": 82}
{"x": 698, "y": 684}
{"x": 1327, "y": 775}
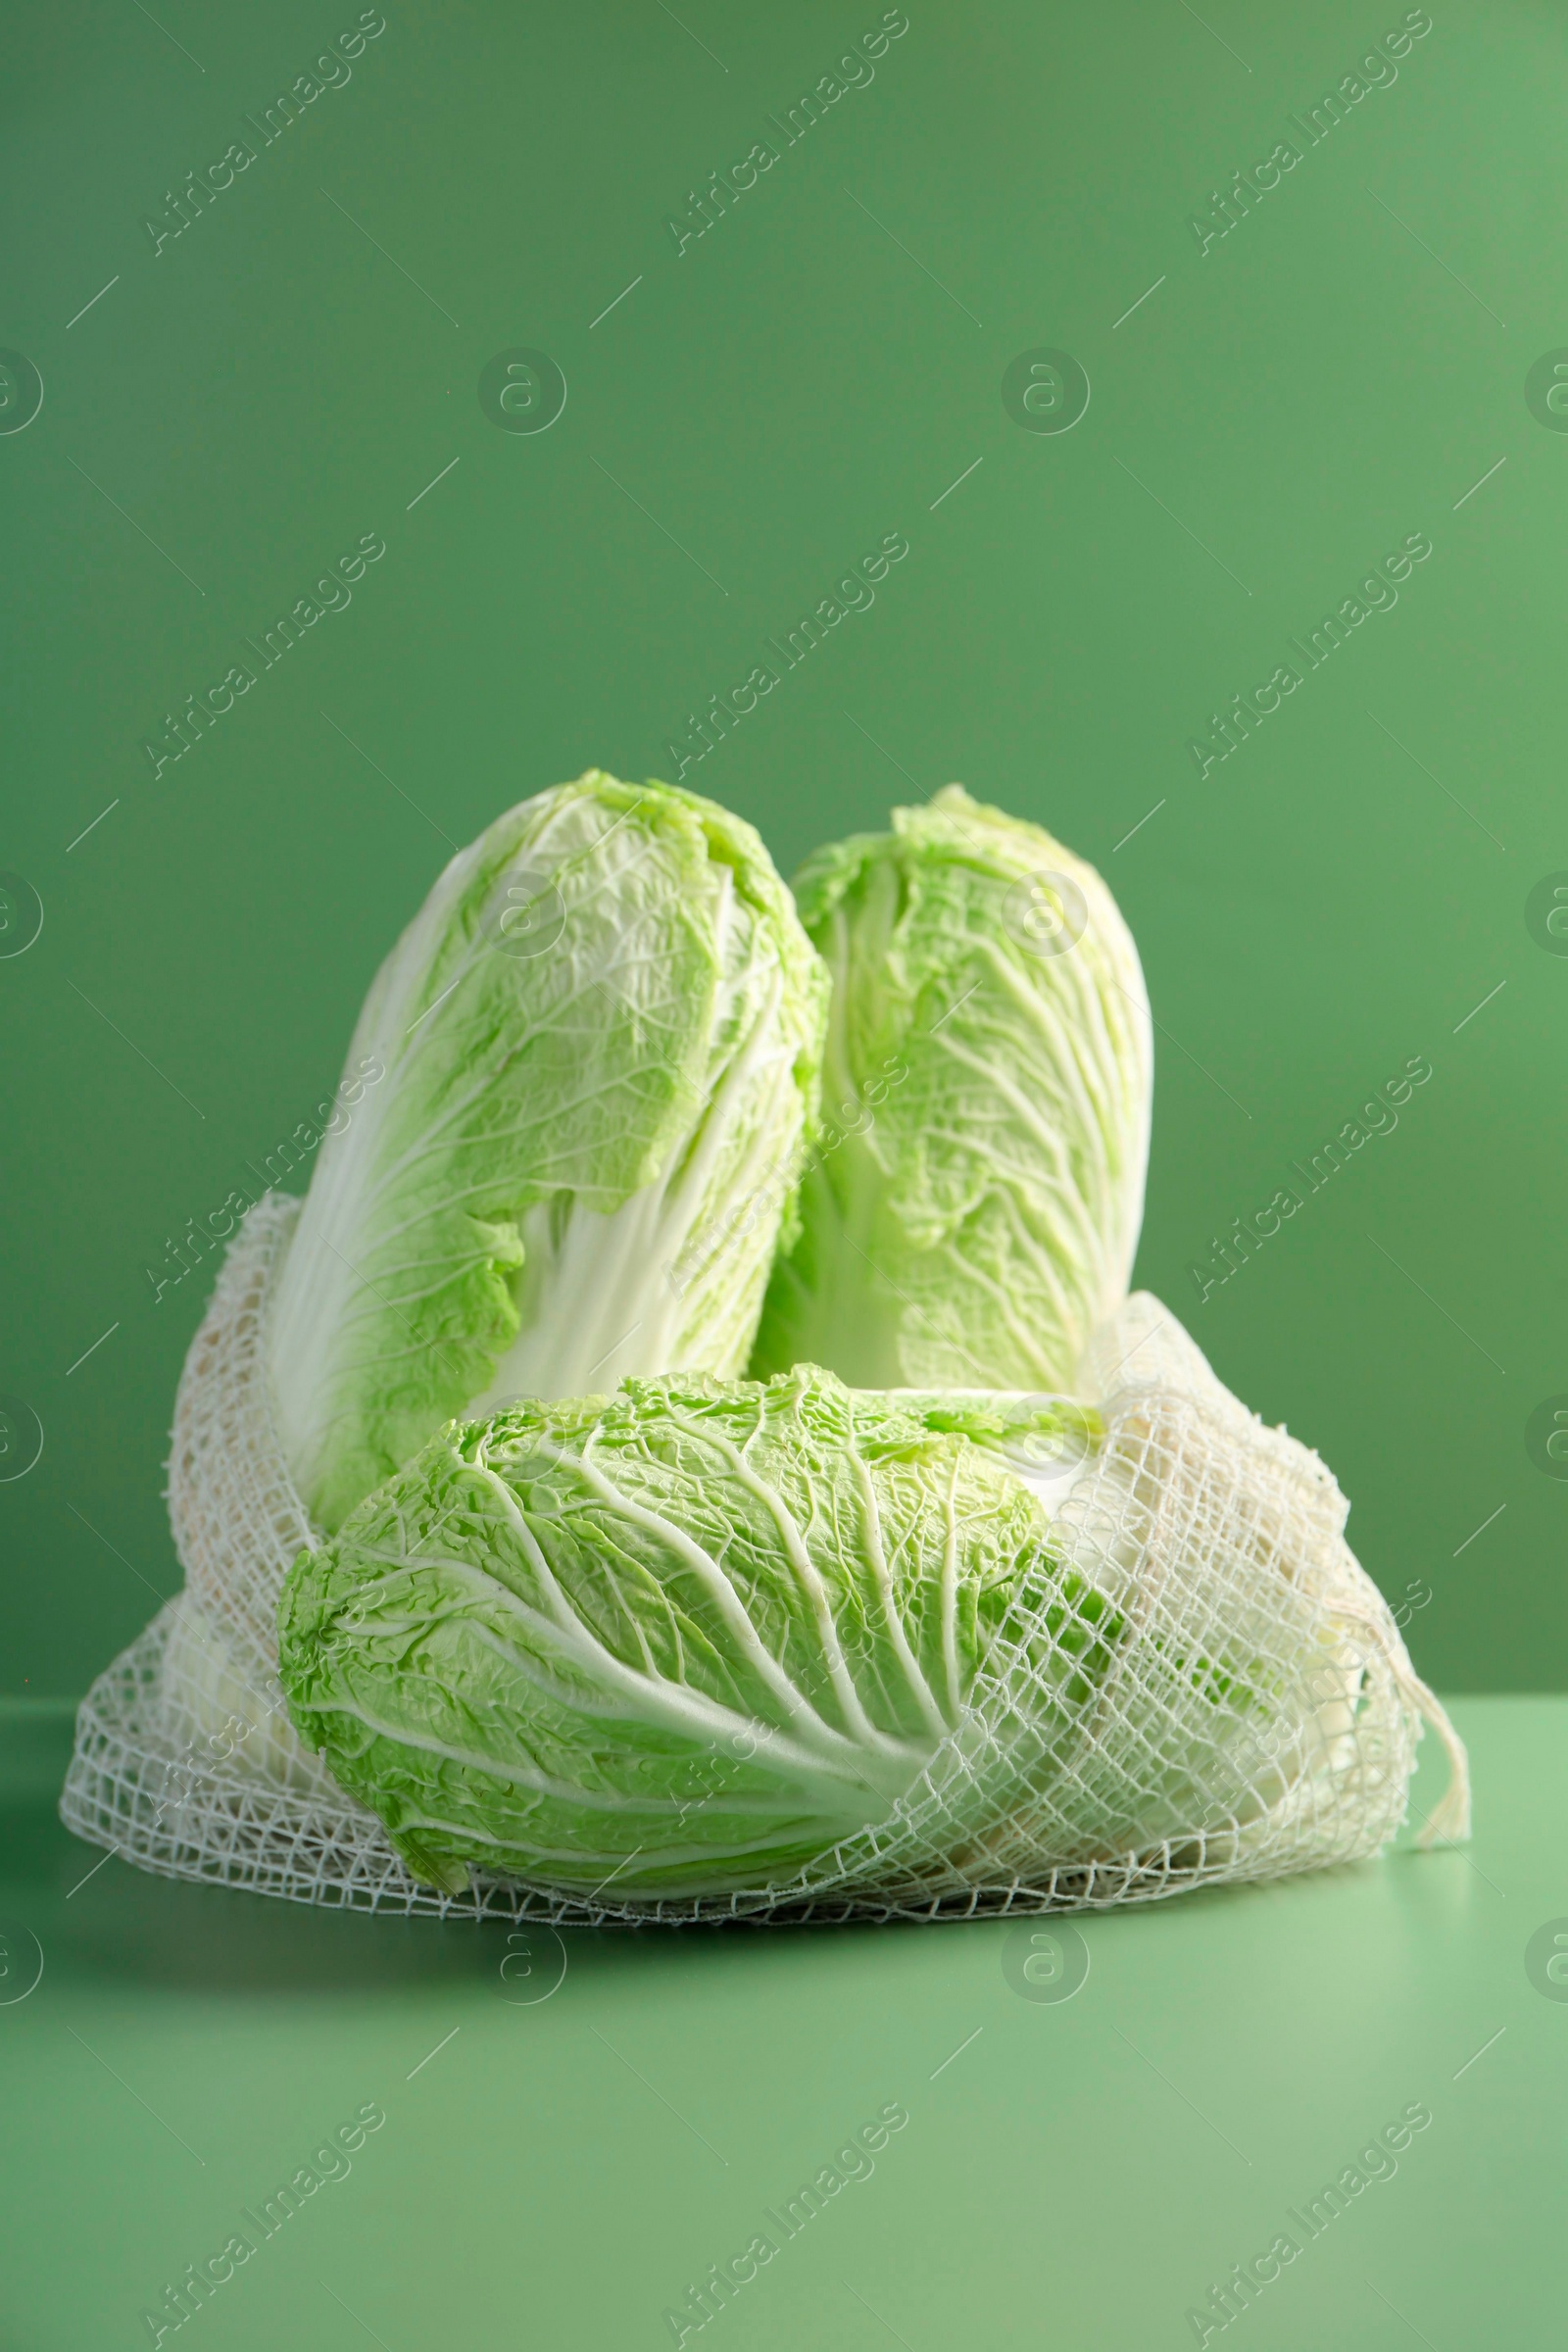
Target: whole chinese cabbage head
{"x": 973, "y": 1207}
{"x": 687, "y": 1638}
{"x": 599, "y": 1033}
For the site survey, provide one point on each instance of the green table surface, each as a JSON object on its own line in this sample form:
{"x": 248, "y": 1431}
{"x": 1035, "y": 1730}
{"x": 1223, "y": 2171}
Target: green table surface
{"x": 557, "y": 2171}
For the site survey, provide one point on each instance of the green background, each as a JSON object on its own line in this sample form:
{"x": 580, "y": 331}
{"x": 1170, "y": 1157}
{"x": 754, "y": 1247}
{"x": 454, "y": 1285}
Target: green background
{"x": 756, "y": 412}
{"x": 779, "y": 395}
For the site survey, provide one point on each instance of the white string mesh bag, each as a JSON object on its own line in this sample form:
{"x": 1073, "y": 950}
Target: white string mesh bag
{"x": 1215, "y": 1548}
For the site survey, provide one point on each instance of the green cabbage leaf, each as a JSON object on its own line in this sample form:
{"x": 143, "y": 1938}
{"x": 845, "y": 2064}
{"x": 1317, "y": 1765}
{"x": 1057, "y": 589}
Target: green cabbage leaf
{"x": 972, "y": 1209}
{"x": 599, "y": 1036}
{"x": 685, "y": 1639}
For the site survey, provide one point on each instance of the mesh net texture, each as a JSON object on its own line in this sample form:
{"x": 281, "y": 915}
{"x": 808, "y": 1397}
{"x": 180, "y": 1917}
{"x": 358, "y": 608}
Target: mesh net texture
{"x": 1252, "y": 1710}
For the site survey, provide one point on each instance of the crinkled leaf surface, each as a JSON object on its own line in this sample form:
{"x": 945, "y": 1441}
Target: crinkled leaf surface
{"x": 599, "y": 1036}
{"x": 689, "y": 1637}
{"x": 972, "y": 1209}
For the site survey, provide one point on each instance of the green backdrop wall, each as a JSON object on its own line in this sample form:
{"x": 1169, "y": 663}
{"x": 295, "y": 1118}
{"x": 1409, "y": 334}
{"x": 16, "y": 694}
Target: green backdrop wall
{"x": 1290, "y": 376}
